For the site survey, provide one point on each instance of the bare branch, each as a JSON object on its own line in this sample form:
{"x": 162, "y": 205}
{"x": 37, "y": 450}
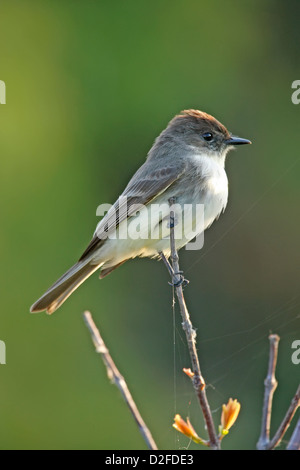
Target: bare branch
{"x": 270, "y": 387}
{"x": 264, "y": 442}
{"x": 294, "y": 443}
{"x": 198, "y": 381}
{"x": 114, "y": 374}
{"x": 295, "y": 403}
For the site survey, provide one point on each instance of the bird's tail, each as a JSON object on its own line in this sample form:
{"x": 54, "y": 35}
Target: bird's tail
{"x": 55, "y": 296}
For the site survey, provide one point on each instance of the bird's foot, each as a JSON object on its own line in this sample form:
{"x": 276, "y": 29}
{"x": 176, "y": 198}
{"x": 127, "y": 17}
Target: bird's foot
{"x": 179, "y": 282}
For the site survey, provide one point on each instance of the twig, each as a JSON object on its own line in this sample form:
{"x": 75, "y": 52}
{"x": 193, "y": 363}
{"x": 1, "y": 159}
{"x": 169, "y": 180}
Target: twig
{"x": 286, "y": 421}
{"x": 294, "y": 443}
{"x": 264, "y": 442}
{"x": 270, "y": 387}
{"x": 198, "y": 381}
{"x": 167, "y": 264}
{"x": 114, "y": 374}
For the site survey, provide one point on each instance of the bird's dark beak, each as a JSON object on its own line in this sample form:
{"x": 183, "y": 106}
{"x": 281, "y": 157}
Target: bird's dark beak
{"x": 234, "y": 140}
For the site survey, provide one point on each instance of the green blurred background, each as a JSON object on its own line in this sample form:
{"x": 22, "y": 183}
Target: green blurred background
{"x": 90, "y": 84}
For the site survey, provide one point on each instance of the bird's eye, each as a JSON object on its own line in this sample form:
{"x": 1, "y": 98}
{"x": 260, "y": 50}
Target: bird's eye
{"x": 208, "y": 136}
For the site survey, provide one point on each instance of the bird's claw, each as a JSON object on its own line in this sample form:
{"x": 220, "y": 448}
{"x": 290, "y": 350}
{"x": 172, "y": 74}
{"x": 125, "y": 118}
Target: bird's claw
{"x": 181, "y": 282}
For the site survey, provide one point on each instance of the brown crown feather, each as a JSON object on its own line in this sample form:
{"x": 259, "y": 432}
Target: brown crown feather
{"x": 205, "y": 119}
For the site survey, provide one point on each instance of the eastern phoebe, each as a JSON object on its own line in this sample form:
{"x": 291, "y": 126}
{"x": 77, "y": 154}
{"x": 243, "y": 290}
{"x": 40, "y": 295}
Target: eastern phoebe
{"x": 186, "y": 162}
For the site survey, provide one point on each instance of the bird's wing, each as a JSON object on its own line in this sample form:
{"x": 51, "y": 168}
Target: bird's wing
{"x": 144, "y": 186}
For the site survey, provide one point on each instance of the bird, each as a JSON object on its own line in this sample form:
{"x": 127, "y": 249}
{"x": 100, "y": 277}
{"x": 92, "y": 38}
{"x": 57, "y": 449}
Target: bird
{"x": 186, "y": 164}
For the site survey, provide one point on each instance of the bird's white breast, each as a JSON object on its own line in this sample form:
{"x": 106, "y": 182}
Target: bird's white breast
{"x": 215, "y": 182}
